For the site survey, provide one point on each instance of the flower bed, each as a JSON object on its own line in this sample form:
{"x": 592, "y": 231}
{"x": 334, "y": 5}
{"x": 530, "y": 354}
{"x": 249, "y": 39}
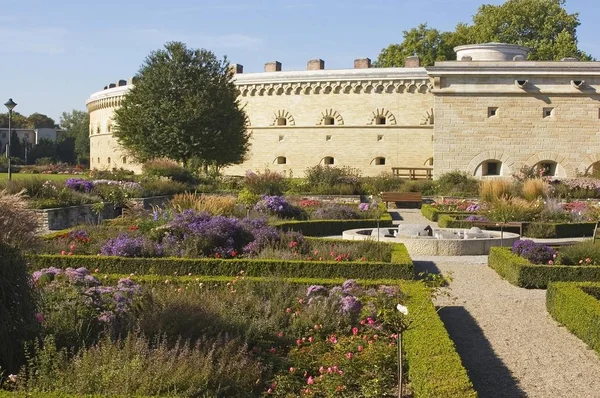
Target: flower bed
{"x": 577, "y": 307}
{"x": 521, "y": 272}
{"x": 332, "y": 227}
{"x": 245, "y": 339}
{"x": 400, "y": 267}
{"x": 433, "y": 213}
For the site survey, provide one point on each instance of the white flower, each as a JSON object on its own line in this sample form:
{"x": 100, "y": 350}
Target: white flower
{"x": 12, "y": 378}
{"x": 402, "y": 309}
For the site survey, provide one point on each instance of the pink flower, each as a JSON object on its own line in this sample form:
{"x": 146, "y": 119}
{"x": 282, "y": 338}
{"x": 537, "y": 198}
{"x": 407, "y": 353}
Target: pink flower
{"x": 340, "y": 372}
{"x": 299, "y": 342}
{"x": 292, "y": 370}
{"x": 63, "y": 252}
{"x": 288, "y": 310}
{"x": 280, "y": 334}
{"x": 272, "y": 350}
{"x": 349, "y": 355}
{"x": 360, "y": 348}
{"x": 310, "y": 380}
{"x": 270, "y": 391}
{"x": 321, "y": 370}
{"x": 311, "y": 339}
{"x": 370, "y": 321}
{"x": 329, "y": 370}
{"x": 333, "y": 339}
{"x": 39, "y": 317}
{"x": 354, "y": 331}
{"x": 550, "y": 262}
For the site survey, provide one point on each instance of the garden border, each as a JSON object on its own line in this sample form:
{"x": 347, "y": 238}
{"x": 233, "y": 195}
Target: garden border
{"x": 577, "y": 310}
{"x": 520, "y": 272}
{"x": 332, "y": 227}
{"x": 433, "y": 214}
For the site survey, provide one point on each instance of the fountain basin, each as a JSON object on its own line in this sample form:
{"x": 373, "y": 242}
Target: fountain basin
{"x": 437, "y": 241}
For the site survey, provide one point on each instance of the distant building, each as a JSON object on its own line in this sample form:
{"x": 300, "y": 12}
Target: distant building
{"x": 29, "y": 136}
{"x": 489, "y": 113}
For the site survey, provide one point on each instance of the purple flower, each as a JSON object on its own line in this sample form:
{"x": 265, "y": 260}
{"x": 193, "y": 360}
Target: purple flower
{"x": 316, "y": 290}
{"x": 79, "y": 185}
{"x": 476, "y": 218}
{"x": 350, "y": 305}
{"x": 335, "y": 212}
{"x": 363, "y": 207}
{"x": 390, "y": 291}
{"x": 534, "y": 252}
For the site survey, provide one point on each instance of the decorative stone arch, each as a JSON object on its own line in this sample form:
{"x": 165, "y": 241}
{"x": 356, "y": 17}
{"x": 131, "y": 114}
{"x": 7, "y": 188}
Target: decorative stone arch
{"x": 428, "y": 162}
{"x": 509, "y": 164}
{"x": 390, "y": 119}
{"x": 330, "y": 113}
{"x": 586, "y": 165}
{"x": 280, "y": 160}
{"x": 283, "y": 114}
{"x": 428, "y": 118}
{"x": 378, "y": 161}
{"x": 563, "y": 168}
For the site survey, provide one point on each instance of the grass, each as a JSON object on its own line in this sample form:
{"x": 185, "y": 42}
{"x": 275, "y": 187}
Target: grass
{"x": 50, "y": 177}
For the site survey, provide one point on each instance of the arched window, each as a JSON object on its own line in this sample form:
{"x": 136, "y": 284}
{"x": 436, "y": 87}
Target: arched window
{"x": 281, "y": 160}
{"x": 328, "y": 121}
{"x": 545, "y": 168}
{"x": 98, "y": 160}
{"x": 488, "y": 168}
{"x": 281, "y": 121}
{"x": 108, "y": 160}
{"x": 98, "y": 129}
{"x": 108, "y": 127}
{"x": 380, "y": 120}
{"x": 380, "y": 161}
{"x": 328, "y": 160}
{"x": 124, "y": 160}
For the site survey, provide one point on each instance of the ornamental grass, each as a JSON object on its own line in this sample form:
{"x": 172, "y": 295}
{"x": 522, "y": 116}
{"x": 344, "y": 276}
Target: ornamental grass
{"x": 215, "y": 205}
{"x": 493, "y": 190}
{"x": 535, "y": 188}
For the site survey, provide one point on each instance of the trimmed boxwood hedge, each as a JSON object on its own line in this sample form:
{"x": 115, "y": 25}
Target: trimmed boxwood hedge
{"x": 401, "y": 266}
{"x": 434, "y": 367}
{"x": 552, "y": 230}
{"x": 522, "y": 273}
{"x": 570, "y": 305}
{"x": 433, "y": 213}
{"x": 332, "y": 227}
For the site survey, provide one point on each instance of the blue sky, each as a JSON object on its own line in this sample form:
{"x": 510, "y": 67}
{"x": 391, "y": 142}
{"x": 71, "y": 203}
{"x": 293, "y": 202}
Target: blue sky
{"x": 55, "y": 53}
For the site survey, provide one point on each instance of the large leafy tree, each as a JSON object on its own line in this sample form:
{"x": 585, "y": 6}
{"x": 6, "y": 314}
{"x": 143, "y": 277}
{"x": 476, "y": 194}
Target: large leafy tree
{"x": 183, "y": 106}
{"x": 76, "y": 125}
{"x": 39, "y": 120}
{"x": 542, "y": 25}
{"x": 17, "y": 120}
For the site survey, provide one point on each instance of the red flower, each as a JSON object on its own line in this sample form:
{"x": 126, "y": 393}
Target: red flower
{"x": 133, "y": 228}
{"x": 293, "y": 244}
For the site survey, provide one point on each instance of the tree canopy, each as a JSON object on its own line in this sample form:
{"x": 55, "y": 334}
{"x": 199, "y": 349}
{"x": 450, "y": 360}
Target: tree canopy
{"x": 76, "y": 125}
{"x": 34, "y": 121}
{"x": 542, "y": 25}
{"x": 184, "y": 107}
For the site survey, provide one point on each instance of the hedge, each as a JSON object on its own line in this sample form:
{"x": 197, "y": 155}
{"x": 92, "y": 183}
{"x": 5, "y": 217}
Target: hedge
{"x": 433, "y": 213}
{"x": 401, "y": 266}
{"x": 552, "y": 230}
{"x": 434, "y": 367}
{"x": 37, "y": 394}
{"x": 570, "y": 305}
{"x": 332, "y": 227}
{"x": 522, "y": 273}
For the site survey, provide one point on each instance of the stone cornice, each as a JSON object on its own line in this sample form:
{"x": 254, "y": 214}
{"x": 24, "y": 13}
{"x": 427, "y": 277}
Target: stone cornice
{"x": 515, "y": 68}
{"x": 335, "y": 127}
{"x": 108, "y": 98}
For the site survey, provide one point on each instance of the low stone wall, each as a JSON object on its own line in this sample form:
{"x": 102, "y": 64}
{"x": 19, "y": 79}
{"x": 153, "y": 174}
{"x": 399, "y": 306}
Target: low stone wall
{"x": 329, "y": 198}
{"x": 67, "y": 217}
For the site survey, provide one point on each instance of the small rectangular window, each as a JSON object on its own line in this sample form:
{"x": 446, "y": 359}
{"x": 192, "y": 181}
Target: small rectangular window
{"x": 492, "y": 111}
{"x": 548, "y": 112}
{"x": 280, "y": 138}
{"x": 380, "y": 138}
{"x": 327, "y": 138}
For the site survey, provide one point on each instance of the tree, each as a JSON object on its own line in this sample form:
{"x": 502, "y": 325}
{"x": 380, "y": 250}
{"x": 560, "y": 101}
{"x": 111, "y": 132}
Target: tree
{"x": 429, "y": 44}
{"x": 184, "y": 107}
{"x": 17, "y": 120}
{"x": 76, "y": 125}
{"x": 542, "y": 25}
{"x": 38, "y": 120}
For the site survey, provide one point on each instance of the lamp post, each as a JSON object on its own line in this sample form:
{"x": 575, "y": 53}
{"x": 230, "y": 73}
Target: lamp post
{"x": 10, "y": 105}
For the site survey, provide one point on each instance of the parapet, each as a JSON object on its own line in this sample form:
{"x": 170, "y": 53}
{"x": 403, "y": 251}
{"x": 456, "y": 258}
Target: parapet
{"x": 491, "y": 52}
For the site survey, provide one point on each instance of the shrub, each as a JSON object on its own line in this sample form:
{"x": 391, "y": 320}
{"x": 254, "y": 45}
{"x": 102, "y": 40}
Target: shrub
{"x": 114, "y": 174}
{"x": 553, "y": 211}
{"x": 581, "y": 253}
{"x": 18, "y": 223}
{"x": 167, "y": 168}
{"x": 514, "y": 209}
{"x": 426, "y": 187}
{"x": 534, "y": 252}
{"x": 457, "y": 183}
{"x": 576, "y": 188}
{"x": 335, "y": 212}
{"x": 212, "y": 204}
{"x": 333, "y": 180}
{"x": 534, "y": 189}
{"x": 266, "y": 183}
{"x": 384, "y": 182}
{"x": 155, "y": 187}
{"x": 79, "y": 185}
{"x": 129, "y": 246}
{"x": 17, "y": 307}
{"x": 492, "y": 190}
{"x": 278, "y": 206}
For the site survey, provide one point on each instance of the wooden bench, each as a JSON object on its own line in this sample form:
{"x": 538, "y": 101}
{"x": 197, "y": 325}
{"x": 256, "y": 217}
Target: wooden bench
{"x": 413, "y": 173}
{"x": 404, "y": 197}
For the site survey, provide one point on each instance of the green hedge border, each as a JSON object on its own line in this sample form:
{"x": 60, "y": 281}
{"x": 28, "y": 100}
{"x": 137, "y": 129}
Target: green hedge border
{"x": 400, "y": 267}
{"x": 332, "y": 227}
{"x": 570, "y": 305}
{"x": 520, "y": 272}
{"x": 433, "y": 213}
{"x": 557, "y": 230}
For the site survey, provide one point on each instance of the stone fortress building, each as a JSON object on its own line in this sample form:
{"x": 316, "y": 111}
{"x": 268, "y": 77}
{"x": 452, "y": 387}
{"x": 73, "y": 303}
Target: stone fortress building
{"x": 489, "y": 113}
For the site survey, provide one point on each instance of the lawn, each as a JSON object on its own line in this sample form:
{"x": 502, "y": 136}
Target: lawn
{"x": 50, "y": 177}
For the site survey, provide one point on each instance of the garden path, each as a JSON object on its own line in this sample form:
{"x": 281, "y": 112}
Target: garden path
{"x": 508, "y": 342}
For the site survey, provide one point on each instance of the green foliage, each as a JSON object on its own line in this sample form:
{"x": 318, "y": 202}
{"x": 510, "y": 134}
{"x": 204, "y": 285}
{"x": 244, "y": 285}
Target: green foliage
{"x": 114, "y": 174}
{"x": 457, "y": 183}
{"x": 183, "y": 107}
{"x": 514, "y": 209}
{"x": 542, "y": 25}
{"x": 247, "y": 198}
{"x": 434, "y": 214}
{"x": 76, "y": 125}
{"x": 576, "y": 306}
{"x": 435, "y": 369}
{"x": 169, "y": 169}
{"x": 520, "y": 272}
{"x": 154, "y": 187}
{"x": 17, "y": 308}
{"x": 332, "y": 180}
{"x": 429, "y": 44}
{"x": 579, "y": 252}
{"x": 401, "y": 266}
{"x": 332, "y": 227}
{"x": 266, "y": 183}
{"x": 384, "y": 182}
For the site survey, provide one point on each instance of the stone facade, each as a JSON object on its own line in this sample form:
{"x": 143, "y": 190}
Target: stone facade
{"x": 488, "y": 114}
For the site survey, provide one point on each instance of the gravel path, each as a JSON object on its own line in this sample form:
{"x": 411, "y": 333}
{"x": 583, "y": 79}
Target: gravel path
{"x": 509, "y": 344}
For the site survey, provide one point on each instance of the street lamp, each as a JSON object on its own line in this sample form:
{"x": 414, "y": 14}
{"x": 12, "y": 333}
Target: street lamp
{"x": 10, "y": 104}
